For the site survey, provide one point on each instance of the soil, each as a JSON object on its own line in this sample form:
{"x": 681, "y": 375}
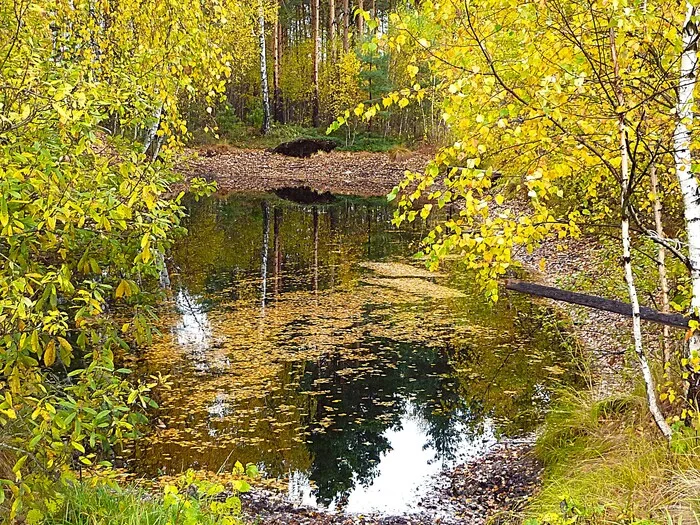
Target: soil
{"x": 603, "y": 336}
{"x": 342, "y": 173}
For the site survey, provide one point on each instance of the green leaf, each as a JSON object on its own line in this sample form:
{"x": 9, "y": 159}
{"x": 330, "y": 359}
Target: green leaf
{"x": 4, "y": 214}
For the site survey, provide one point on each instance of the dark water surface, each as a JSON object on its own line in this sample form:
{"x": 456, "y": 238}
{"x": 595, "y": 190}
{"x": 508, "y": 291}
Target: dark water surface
{"x": 305, "y": 339}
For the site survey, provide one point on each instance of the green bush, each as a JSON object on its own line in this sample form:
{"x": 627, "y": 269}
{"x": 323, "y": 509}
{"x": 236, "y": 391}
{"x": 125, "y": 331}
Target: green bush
{"x": 187, "y": 501}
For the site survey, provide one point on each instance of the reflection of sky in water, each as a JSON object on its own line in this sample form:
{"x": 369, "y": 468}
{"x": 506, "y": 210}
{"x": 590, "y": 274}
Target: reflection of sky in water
{"x": 193, "y": 332}
{"x": 406, "y": 472}
{"x": 362, "y": 380}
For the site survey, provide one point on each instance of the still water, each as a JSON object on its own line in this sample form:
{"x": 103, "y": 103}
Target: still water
{"x": 307, "y": 340}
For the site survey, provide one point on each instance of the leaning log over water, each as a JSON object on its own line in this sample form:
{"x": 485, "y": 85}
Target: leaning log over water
{"x": 593, "y": 301}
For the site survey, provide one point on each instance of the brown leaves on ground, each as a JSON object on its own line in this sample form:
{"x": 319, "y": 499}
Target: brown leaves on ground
{"x": 344, "y": 173}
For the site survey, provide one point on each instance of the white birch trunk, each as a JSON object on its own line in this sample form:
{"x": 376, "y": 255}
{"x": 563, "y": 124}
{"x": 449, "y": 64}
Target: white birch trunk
{"x": 683, "y": 159}
{"x": 649, "y": 382}
{"x": 263, "y": 71}
{"x": 152, "y": 131}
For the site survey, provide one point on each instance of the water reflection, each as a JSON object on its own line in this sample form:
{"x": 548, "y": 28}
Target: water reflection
{"x": 399, "y": 478}
{"x": 302, "y": 341}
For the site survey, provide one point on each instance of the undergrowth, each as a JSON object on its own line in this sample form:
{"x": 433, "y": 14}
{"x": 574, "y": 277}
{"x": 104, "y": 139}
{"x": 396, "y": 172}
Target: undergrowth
{"x": 240, "y": 135}
{"x": 189, "y": 500}
{"x": 606, "y": 463}
{"x": 87, "y": 505}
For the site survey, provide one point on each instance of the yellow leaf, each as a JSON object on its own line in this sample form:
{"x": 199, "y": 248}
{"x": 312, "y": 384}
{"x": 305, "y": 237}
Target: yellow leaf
{"x": 123, "y": 289}
{"x": 50, "y": 353}
{"x": 65, "y": 345}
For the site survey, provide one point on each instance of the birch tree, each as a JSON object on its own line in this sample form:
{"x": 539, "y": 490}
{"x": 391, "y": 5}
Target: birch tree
{"x": 625, "y": 192}
{"x": 683, "y": 157}
{"x": 560, "y": 115}
{"x": 82, "y": 235}
{"x": 265, "y": 91}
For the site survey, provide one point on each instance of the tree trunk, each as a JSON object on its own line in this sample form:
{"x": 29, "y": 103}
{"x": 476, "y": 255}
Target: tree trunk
{"x": 346, "y": 25}
{"x": 596, "y": 302}
{"x": 634, "y": 300}
{"x": 316, "y": 35}
{"x": 263, "y": 72}
{"x": 276, "y": 106}
{"x": 152, "y": 132}
{"x": 359, "y": 21}
{"x": 331, "y": 29}
{"x": 661, "y": 263}
{"x": 683, "y": 160}
{"x": 625, "y": 186}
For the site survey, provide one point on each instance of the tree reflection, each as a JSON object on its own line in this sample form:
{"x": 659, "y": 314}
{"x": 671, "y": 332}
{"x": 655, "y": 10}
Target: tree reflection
{"x": 315, "y": 379}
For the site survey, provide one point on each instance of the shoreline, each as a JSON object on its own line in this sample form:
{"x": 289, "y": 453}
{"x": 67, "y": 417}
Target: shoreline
{"x": 360, "y": 174}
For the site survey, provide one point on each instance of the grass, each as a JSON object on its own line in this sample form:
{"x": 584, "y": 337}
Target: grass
{"x": 115, "y": 505}
{"x": 605, "y": 462}
{"x": 243, "y": 136}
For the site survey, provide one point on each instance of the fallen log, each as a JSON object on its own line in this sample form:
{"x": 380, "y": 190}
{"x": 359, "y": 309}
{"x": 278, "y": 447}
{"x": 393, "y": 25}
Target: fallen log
{"x": 304, "y": 147}
{"x": 598, "y": 303}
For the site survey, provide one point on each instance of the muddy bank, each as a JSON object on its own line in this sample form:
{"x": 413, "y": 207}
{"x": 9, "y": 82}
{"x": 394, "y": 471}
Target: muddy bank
{"x": 345, "y": 173}
{"x": 494, "y": 485}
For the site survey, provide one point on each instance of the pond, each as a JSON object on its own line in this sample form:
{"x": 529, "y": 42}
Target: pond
{"x": 308, "y": 340}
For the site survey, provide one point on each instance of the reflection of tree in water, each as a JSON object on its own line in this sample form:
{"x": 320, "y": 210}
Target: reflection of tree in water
{"x": 449, "y": 404}
{"x": 364, "y": 406}
{"x": 384, "y": 353}
{"x": 225, "y": 238}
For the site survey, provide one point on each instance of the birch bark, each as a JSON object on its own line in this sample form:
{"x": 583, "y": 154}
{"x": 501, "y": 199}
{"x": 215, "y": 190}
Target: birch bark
{"x": 649, "y": 382}
{"x": 152, "y": 131}
{"x": 683, "y": 158}
{"x": 263, "y": 71}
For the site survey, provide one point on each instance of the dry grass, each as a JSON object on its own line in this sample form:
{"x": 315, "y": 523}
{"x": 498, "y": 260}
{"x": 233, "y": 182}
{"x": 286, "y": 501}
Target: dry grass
{"x": 606, "y": 463}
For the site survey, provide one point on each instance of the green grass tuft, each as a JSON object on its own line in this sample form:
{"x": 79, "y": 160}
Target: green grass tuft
{"x": 116, "y": 505}
{"x": 605, "y": 462}
{"x": 240, "y": 135}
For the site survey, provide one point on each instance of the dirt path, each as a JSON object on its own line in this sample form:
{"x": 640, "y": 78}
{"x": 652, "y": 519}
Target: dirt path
{"x": 344, "y": 173}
